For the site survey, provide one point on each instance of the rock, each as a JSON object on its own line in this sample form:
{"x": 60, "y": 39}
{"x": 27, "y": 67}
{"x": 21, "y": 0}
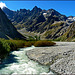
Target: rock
{"x": 60, "y": 58}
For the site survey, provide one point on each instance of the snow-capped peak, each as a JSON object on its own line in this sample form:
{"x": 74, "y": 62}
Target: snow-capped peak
{"x": 2, "y": 5}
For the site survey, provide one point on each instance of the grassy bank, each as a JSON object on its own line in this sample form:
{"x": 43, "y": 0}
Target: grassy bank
{"x": 10, "y": 45}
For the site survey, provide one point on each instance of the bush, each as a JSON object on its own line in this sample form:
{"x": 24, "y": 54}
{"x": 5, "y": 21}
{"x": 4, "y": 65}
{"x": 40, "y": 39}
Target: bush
{"x": 10, "y": 45}
{"x": 15, "y": 44}
{"x": 29, "y": 43}
{"x": 44, "y": 43}
{"x": 4, "y": 48}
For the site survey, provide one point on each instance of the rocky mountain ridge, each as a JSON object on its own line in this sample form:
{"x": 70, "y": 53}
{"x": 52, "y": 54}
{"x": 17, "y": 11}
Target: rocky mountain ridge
{"x": 49, "y": 23}
{"x": 22, "y": 16}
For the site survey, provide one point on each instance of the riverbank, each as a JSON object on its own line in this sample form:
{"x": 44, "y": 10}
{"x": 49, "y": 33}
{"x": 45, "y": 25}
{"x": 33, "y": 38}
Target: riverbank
{"x": 60, "y": 58}
{"x": 6, "y": 46}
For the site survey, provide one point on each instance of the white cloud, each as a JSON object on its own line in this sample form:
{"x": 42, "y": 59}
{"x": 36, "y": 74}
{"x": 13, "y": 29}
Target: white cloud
{"x": 2, "y": 5}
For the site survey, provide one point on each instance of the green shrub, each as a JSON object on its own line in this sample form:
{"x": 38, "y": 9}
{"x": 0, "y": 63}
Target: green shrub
{"x": 4, "y": 48}
{"x": 44, "y": 43}
{"x": 10, "y": 45}
{"x": 29, "y": 43}
{"x": 15, "y": 44}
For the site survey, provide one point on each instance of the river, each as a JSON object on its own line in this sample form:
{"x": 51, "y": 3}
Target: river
{"x": 18, "y": 63}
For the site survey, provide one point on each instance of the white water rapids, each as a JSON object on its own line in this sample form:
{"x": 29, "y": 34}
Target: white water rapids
{"x": 18, "y": 63}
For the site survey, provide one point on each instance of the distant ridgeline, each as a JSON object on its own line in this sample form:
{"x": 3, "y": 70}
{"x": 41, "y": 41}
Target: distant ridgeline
{"x": 49, "y": 23}
{"x": 7, "y": 29}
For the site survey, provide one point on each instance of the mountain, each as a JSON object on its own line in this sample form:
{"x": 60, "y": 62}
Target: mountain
{"x": 69, "y": 35}
{"x": 49, "y": 23}
{"x": 71, "y": 31}
{"x": 7, "y": 30}
{"x": 56, "y": 30}
{"x": 71, "y": 19}
{"x": 53, "y": 12}
{"x": 26, "y": 18}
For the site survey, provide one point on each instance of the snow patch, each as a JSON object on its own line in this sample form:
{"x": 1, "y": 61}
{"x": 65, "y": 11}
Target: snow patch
{"x": 44, "y": 13}
{"x": 74, "y": 18}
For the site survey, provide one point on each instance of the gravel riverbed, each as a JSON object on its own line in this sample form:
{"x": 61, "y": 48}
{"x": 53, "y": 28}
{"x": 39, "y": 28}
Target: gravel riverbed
{"x": 60, "y": 58}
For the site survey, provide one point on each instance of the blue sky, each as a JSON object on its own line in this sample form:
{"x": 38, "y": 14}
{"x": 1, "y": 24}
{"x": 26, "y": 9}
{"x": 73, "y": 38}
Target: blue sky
{"x": 64, "y": 7}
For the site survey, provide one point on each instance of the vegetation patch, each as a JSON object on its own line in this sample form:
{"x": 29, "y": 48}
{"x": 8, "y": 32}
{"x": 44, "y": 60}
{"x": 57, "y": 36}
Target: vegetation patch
{"x": 29, "y": 43}
{"x": 44, "y": 43}
{"x": 58, "y": 24}
{"x": 15, "y": 44}
{"x": 63, "y": 37}
{"x": 10, "y": 45}
{"x": 4, "y": 48}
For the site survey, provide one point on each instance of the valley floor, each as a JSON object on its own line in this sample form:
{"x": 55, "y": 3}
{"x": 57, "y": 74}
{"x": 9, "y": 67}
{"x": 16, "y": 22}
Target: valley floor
{"x": 60, "y": 58}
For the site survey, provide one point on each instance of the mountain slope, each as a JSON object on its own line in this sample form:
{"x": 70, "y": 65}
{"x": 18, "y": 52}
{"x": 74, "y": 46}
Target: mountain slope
{"x": 69, "y": 35}
{"x": 7, "y": 30}
{"x": 56, "y": 30}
